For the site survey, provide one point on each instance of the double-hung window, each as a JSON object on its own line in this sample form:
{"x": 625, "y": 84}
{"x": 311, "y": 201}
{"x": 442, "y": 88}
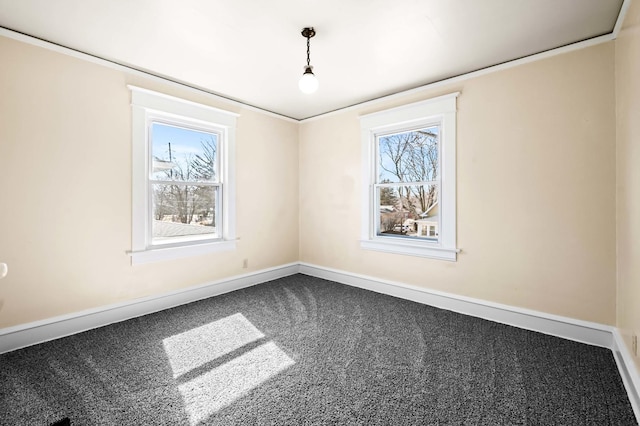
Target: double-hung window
{"x": 409, "y": 200}
{"x": 183, "y": 194}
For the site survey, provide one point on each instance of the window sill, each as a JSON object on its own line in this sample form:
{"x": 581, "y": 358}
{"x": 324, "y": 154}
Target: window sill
{"x": 411, "y": 249}
{"x": 169, "y": 253}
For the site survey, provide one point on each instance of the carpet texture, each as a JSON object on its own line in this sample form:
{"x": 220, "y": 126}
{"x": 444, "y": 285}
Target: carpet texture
{"x": 302, "y": 350}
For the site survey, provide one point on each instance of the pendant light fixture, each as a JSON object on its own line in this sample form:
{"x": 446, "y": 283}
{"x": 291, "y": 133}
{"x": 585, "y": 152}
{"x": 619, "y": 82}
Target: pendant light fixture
{"x": 308, "y": 82}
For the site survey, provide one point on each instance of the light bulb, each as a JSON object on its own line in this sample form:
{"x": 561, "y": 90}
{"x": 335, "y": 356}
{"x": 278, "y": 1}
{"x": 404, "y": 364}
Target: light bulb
{"x": 308, "y": 82}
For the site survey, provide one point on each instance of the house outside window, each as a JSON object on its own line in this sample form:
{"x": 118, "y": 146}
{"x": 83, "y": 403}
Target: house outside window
{"x": 183, "y": 194}
{"x": 409, "y": 200}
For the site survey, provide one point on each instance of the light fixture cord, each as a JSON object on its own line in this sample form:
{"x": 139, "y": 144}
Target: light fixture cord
{"x": 308, "y": 52}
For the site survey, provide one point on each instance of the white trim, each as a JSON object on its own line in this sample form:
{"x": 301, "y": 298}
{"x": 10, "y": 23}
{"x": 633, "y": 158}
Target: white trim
{"x": 628, "y": 371}
{"x": 25, "y": 38}
{"x": 620, "y": 21}
{"x": 34, "y": 41}
{"x": 20, "y": 336}
{"x": 182, "y": 107}
{"x": 411, "y": 248}
{"x": 568, "y": 328}
{"x": 408, "y": 113}
{"x": 180, "y": 252}
{"x": 591, "y": 333}
{"x": 148, "y": 105}
{"x": 467, "y": 76}
{"x": 587, "y": 332}
{"x": 441, "y": 110}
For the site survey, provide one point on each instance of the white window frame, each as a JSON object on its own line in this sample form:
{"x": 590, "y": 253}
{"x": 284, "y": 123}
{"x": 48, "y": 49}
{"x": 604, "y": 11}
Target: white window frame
{"x": 147, "y": 107}
{"x": 441, "y": 111}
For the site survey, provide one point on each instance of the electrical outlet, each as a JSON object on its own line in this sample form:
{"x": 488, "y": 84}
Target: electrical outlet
{"x": 634, "y": 344}
{"x": 245, "y": 263}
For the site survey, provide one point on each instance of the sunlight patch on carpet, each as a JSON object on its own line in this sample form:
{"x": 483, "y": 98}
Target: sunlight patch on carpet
{"x": 196, "y": 347}
{"x": 220, "y": 385}
{"x": 216, "y": 389}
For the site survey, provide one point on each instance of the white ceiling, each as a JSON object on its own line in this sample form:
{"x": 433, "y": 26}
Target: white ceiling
{"x": 252, "y": 51}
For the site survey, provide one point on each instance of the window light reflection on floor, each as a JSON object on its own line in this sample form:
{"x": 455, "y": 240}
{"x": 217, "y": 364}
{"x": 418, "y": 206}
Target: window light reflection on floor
{"x": 203, "y": 344}
{"x": 214, "y": 390}
{"x": 219, "y": 385}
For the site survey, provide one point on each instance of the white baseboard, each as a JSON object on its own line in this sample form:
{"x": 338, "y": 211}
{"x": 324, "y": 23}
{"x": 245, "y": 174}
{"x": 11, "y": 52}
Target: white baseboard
{"x": 12, "y": 338}
{"x": 568, "y": 328}
{"x": 628, "y": 371}
{"x": 17, "y": 337}
{"x": 23, "y": 335}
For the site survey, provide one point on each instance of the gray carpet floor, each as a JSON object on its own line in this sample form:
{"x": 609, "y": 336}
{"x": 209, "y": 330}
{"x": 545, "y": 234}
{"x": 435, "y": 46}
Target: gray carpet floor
{"x": 305, "y": 351}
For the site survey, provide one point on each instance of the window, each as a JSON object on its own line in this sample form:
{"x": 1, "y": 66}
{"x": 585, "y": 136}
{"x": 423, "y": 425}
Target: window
{"x": 409, "y": 199}
{"x": 185, "y": 189}
{"x": 183, "y": 197}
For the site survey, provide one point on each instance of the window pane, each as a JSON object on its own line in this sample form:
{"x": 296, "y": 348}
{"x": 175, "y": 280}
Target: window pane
{"x": 409, "y": 156}
{"x": 408, "y": 211}
{"x": 184, "y": 212}
{"x": 183, "y": 154}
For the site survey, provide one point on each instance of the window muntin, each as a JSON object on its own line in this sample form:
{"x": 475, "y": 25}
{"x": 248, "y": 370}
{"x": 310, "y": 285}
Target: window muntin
{"x": 407, "y": 186}
{"x": 184, "y": 184}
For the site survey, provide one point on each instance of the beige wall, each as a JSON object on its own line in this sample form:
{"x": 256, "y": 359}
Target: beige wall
{"x": 65, "y": 190}
{"x": 535, "y": 172}
{"x": 628, "y": 173}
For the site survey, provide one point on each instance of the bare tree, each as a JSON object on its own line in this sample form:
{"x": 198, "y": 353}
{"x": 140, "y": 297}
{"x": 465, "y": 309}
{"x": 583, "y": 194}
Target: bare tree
{"x": 185, "y": 201}
{"x": 182, "y": 195}
{"x": 205, "y": 168}
{"x": 394, "y": 149}
{"x": 412, "y": 157}
{"x": 161, "y": 201}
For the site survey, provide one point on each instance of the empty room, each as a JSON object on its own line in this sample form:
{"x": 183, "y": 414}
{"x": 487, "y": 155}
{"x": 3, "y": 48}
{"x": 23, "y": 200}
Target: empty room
{"x": 303, "y": 212}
